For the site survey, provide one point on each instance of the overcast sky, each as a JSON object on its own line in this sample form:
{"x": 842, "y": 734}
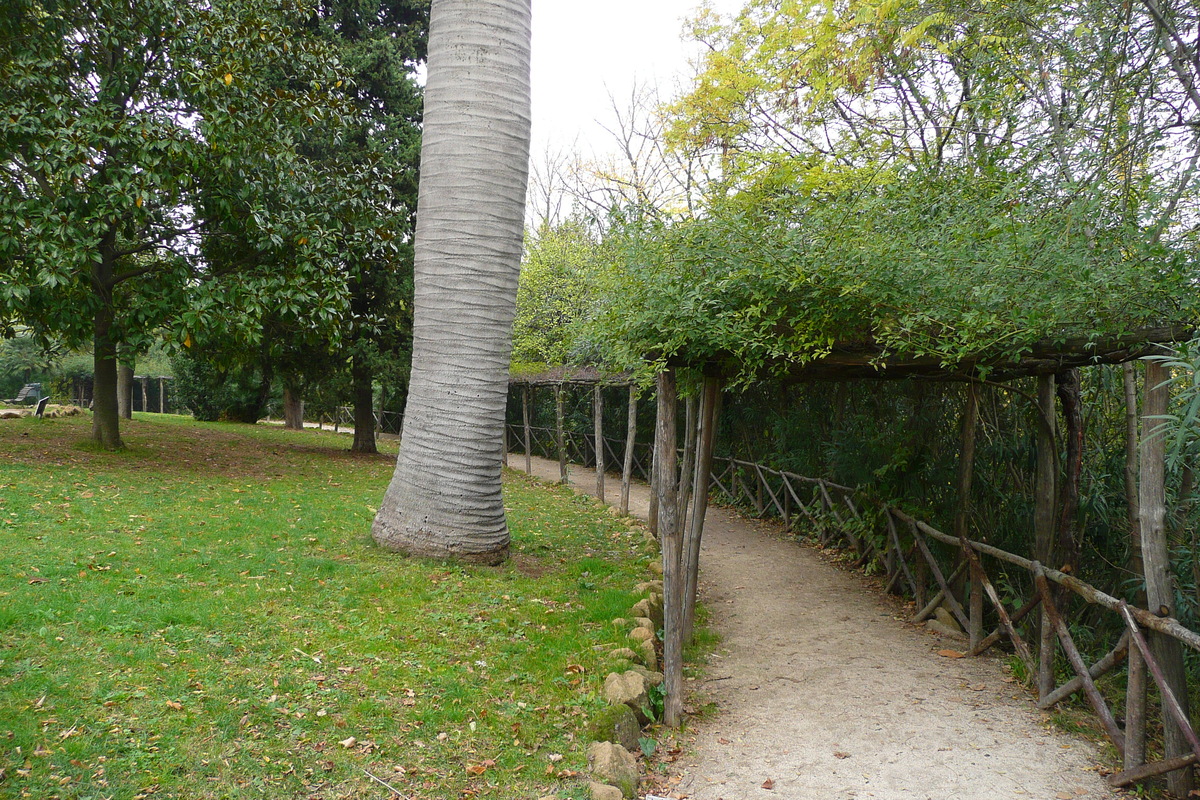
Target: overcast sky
{"x": 583, "y": 51}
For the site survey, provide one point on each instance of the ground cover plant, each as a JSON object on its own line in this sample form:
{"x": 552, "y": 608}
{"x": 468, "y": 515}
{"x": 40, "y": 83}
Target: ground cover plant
{"x": 205, "y": 615}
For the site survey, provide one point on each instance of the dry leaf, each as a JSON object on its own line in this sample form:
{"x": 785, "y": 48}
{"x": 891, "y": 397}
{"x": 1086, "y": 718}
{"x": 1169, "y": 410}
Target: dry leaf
{"x": 348, "y": 743}
{"x": 175, "y": 705}
{"x": 722, "y": 740}
{"x": 32, "y": 581}
{"x": 950, "y": 654}
{"x": 768, "y": 784}
{"x": 476, "y": 769}
{"x": 840, "y": 754}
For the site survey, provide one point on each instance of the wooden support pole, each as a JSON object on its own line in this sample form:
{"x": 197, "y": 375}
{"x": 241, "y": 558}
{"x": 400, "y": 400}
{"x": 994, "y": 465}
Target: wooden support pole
{"x": 598, "y": 429}
{"x": 667, "y": 475}
{"x": 559, "y": 441}
{"x": 528, "y": 432}
{"x": 630, "y": 441}
{"x": 709, "y": 409}
{"x": 1050, "y": 612}
{"x": 690, "y": 435}
{"x": 962, "y": 515}
{"x": 162, "y": 396}
{"x": 1045, "y": 499}
{"x": 1160, "y": 588}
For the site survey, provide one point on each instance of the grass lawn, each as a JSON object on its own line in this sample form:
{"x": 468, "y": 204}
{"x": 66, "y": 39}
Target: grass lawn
{"x": 205, "y": 616}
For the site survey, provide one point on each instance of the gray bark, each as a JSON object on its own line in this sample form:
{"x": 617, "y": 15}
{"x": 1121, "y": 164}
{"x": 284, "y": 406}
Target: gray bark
{"x": 1160, "y": 588}
{"x": 666, "y": 474}
{"x": 445, "y": 496}
{"x": 124, "y": 390}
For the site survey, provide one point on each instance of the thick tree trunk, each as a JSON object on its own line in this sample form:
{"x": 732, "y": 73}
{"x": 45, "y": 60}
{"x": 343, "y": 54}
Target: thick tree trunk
{"x": 106, "y": 426}
{"x": 1160, "y": 587}
{"x": 293, "y": 407}
{"x": 445, "y": 496}
{"x": 124, "y": 389}
{"x": 362, "y": 380}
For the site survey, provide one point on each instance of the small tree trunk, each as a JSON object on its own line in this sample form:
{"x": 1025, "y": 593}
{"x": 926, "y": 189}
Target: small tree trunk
{"x": 528, "y": 433}
{"x": 124, "y": 390}
{"x": 293, "y": 408}
{"x": 362, "y": 380}
{"x": 1160, "y": 589}
{"x": 162, "y": 396}
{"x": 667, "y": 477}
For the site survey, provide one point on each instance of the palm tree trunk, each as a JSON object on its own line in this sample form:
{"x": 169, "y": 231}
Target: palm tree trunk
{"x": 445, "y": 498}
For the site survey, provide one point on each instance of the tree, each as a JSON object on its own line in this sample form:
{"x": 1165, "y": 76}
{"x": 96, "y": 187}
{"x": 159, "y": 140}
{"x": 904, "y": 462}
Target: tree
{"x": 130, "y": 135}
{"x": 445, "y": 495}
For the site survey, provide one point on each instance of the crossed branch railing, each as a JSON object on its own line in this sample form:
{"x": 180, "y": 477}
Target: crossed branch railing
{"x": 836, "y": 513}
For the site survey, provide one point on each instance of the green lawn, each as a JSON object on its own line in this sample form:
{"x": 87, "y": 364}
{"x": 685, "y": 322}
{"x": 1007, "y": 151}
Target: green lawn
{"x": 205, "y": 616}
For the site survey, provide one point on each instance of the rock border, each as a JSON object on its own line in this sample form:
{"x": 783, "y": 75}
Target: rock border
{"x": 612, "y": 754}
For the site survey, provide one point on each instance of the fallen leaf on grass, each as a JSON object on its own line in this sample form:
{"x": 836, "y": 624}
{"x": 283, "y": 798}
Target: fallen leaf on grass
{"x": 174, "y": 704}
{"x": 950, "y": 654}
{"x": 32, "y": 581}
{"x": 348, "y": 743}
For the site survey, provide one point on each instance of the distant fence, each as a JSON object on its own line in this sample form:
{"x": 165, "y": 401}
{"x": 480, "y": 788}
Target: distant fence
{"x": 342, "y": 418}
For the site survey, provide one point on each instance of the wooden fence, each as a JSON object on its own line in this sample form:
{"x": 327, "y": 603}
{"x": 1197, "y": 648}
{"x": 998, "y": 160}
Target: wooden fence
{"x": 902, "y": 546}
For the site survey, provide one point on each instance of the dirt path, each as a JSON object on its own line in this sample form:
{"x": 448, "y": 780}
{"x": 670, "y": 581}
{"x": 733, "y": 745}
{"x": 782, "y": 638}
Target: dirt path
{"x": 825, "y": 693}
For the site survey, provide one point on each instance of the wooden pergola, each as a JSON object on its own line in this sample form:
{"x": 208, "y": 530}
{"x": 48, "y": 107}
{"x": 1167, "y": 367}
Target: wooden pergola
{"x": 865, "y": 359}
{"x": 680, "y": 496}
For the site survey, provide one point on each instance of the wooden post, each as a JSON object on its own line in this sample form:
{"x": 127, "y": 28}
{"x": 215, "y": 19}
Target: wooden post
{"x": 598, "y": 428}
{"x": 709, "y": 409}
{"x": 1160, "y": 590}
{"x": 966, "y": 471}
{"x": 690, "y": 433}
{"x": 667, "y": 476}
{"x": 1135, "y": 679}
{"x": 559, "y": 440}
{"x": 162, "y": 395}
{"x": 1043, "y": 520}
{"x": 528, "y": 432}
{"x": 145, "y": 394}
{"x": 630, "y": 441}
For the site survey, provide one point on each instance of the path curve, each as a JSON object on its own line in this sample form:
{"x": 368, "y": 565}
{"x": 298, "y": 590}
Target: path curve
{"x": 824, "y": 693}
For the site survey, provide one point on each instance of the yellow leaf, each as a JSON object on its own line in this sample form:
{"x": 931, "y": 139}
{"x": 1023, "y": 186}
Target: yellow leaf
{"x": 187, "y": 341}
{"x": 138, "y": 202}
{"x": 303, "y": 240}
{"x": 228, "y": 78}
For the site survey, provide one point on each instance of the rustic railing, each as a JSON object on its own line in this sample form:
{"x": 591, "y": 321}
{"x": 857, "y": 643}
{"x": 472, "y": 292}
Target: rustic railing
{"x": 878, "y": 532}
{"x": 837, "y": 513}
{"x": 343, "y": 417}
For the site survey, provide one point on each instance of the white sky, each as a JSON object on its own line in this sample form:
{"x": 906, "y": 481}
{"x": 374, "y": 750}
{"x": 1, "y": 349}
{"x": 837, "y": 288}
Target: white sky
{"x": 584, "y": 50}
